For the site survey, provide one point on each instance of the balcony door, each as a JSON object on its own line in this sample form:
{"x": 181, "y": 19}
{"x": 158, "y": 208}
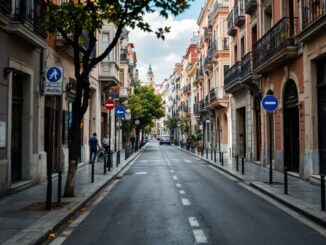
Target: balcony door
{"x": 321, "y": 93}
{"x": 291, "y": 127}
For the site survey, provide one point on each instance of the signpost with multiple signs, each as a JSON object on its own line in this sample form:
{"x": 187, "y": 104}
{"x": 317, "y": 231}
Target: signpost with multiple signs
{"x": 53, "y": 81}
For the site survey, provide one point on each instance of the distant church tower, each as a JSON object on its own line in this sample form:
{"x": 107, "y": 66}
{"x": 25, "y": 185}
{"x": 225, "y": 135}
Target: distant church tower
{"x": 150, "y": 76}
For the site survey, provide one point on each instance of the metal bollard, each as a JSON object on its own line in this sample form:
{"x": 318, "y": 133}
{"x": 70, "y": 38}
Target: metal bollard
{"x": 206, "y": 153}
{"x": 93, "y": 172}
{"x": 237, "y": 163}
{"x": 222, "y": 159}
{"x": 242, "y": 169}
{"x": 214, "y": 155}
{"x": 219, "y": 157}
{"x": 117, "y": 159}
{"x": 202, "y": 152}
{"x": 285, "y": 179}
{"x": 211, "y": 154}
{"x": 109, "y": 161}
{"x": 59, "y": 186}
{"x": 104, "y": 162}
{"x": 322, "y": 189}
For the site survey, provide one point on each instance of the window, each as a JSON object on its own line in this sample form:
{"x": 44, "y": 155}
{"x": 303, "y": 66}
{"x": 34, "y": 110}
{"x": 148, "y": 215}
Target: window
{"x": 217, "y": 79}
{"x": 235, "y": 53}
{"x": 105, "y": 42}
{"x": 242, "y": 47}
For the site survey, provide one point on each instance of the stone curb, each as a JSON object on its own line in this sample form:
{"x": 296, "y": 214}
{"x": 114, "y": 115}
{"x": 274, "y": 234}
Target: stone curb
{"x": 314, "y": 217}
{"x": 39, "y": 231}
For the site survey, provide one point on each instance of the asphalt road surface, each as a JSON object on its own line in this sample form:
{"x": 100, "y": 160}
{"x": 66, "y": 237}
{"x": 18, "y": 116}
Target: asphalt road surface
{"x": 169, "y": 197}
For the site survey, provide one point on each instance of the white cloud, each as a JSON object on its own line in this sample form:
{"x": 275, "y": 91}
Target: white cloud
{"x": 162, "y": 54}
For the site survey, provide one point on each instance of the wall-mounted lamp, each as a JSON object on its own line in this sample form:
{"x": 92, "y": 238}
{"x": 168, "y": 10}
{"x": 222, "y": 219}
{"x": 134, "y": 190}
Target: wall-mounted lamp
{"x": 7, "y": 71}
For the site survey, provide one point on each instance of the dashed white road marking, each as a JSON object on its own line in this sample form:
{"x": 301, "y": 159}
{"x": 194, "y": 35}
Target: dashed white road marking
{"x": 172, "y": 171}
{"x": 188, "y": 161}
{"x": 193, "y": 222}
{"x": 182, "y": 192}
{"x": 175, "y": 177}
{"x": 178, "y": 185}
{"x": 185, "y": 201}
{"x": 199, "y": 236}
{"x": 140, "y": 173}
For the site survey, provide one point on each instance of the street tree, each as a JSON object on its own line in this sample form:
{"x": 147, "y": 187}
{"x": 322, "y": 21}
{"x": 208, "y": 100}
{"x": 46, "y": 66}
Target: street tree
{"x": 145, "y": 106}
{"x": 77, "y": 18}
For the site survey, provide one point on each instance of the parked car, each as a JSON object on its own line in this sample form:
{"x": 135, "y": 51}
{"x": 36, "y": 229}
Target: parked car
{"x": 165, "y": 139}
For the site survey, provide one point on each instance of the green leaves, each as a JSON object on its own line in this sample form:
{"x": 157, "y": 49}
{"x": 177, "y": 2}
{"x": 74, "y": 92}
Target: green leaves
{"x": 145, "y": 105}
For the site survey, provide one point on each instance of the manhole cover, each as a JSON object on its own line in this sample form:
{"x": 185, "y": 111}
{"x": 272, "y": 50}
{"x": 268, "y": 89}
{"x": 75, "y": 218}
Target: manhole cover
{"x": 39, "y": 206}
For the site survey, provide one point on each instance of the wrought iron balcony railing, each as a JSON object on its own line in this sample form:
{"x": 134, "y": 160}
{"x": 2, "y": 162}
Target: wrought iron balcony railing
{"x": 211, "y": 48}
{"x": 312, "y": 10}
{"x": 280, "y": 36}
{"x": 5, "y": 6}
{"x": 232, "y": 75}
{"x": 206, "y": 100}
{"x": 250, "y": 6}
{"x": 202, "y": 104}
{"x": 207, "y": 61}
{"x": 239, "y": 16}
{"x": 247, "y": 65}
{"x": 30, "y": 12}
{"x": 231, "y": 27}
{"x": 212, "y": 95}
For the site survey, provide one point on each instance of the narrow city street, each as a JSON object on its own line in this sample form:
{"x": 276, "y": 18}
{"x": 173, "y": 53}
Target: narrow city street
{"x": 171, "y": 197}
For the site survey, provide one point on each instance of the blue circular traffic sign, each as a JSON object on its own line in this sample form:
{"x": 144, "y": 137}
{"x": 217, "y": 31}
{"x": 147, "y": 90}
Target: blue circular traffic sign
{"x": 270, "y": 103}
{"x": 53, "y": 74}
{"x": 120, "y": 111}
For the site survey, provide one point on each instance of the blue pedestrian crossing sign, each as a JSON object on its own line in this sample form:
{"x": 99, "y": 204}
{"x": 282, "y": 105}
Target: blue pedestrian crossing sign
{"x": 120, "y": 111}
{"x": 53, "y": 81}
{"x": 270, "y": 103}
{"x": 54, "y": 74}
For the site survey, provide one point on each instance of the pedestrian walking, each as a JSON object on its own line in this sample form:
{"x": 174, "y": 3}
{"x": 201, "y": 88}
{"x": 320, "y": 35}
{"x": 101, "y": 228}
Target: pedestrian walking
{"x": 93, "y": 146}
{"x": 132, "y": 140}
{"x": 106, "y": 143}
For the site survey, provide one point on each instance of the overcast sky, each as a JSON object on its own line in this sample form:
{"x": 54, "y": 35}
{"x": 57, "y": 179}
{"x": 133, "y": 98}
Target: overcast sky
{"x": 162, "y": 55}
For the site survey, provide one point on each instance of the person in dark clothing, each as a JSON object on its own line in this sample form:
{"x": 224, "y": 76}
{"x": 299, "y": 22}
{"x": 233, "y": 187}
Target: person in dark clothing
{"x": 132, "y": 140}
{"x": 93, "y": 145}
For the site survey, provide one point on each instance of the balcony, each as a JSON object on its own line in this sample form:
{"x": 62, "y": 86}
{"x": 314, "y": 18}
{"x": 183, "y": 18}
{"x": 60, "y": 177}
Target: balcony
{"x": 207, "y": 63}
{"x": 5, "y": 7}
{"x": 211, "y": 48}
{"x": 232, "y": 78}
{"x": 109, "y": 73}
{"x": 250, "y": 6}
{"x": 216, "y": 9}
{"x": 313, "y": 14}
{"x": 206, "y": 101}
{"x": 26, "y": 17}
{"x": 207, "y": 33}
{"x": 276, "y": 47}
{"x": 239, "y": 17}
{"x": 123, "y": 57}
{"x": 123, "y": 93}
{"x": 232, "y": 30}
{"x": 217, "y": 102}
{"x": 221, "y": 47}
{"x": 202, "y": 105}
{"x": 212, "y": 95}
{"x": 187, "y": 89}
{"x": 248, "y": 76}
{"x": 196, "y": 108}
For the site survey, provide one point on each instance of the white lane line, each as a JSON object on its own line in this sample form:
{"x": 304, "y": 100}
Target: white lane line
{"x": 175, "y": 177}
{"x": 178, "y": 185}
{"x": 188, "y": 161}
{"x": 140, "y": 173}
{"x": 193, "y": 222}
{"x": 185, "y": 201}
{"x": 172, "y": 171}
{"x": 199, "y": 236}
{"x": 182, "y": 192}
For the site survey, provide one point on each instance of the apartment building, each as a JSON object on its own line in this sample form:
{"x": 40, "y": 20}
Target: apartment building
{"x": 22, "y": 47}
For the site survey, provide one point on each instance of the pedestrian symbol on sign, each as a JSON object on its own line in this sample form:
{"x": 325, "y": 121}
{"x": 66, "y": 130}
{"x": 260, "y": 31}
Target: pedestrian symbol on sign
{"x": 53, "y": 74}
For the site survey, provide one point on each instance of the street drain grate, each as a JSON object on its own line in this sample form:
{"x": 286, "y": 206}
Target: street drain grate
{"x": 40, "y": 206}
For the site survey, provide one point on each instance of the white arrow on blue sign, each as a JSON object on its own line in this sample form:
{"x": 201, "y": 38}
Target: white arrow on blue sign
{"x": 270, "y": 103}
{"x": 120, "y": 111}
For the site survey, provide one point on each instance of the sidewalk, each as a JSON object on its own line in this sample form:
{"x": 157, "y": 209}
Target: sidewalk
{"x": 303, "y": 197}
{"x": 22, "y": 215}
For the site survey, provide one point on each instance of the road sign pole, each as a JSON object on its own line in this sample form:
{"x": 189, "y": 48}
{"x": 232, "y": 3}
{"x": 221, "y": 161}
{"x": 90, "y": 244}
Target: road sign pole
{"x": 270, "y": 147}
